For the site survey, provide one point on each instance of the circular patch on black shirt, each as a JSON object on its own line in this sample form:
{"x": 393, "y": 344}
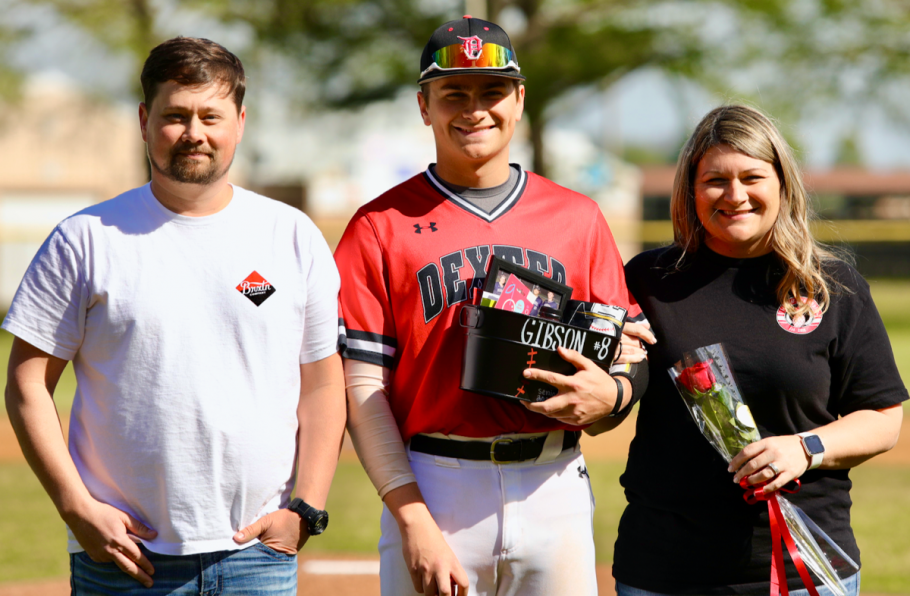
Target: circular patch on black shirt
{"x": 802, "y": 325}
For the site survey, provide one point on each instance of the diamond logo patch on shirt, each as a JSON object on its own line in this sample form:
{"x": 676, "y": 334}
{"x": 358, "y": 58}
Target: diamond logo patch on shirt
{"x": 256, "y": 288}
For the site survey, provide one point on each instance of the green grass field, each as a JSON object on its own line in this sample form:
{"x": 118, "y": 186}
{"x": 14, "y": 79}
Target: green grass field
{"x": 34, "y": 537}
{"x": 891, "y": 298}
{"x": 66, "y": 387}
{"x": 881, "y": 516}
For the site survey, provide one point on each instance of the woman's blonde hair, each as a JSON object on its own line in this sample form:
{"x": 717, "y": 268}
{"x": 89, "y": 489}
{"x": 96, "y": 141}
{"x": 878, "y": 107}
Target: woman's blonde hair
{"x": 749, "y": 131}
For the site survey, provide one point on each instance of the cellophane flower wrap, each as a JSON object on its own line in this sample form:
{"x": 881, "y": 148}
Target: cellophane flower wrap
{"x": 705, "y": 381}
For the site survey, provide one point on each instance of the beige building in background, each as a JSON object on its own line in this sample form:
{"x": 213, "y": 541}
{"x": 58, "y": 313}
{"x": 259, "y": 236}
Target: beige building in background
{"x": 61, "y": 150}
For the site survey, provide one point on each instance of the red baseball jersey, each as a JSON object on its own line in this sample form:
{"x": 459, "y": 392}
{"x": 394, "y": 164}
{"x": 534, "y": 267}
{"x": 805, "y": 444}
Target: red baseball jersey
{"x": 411, "y": 258}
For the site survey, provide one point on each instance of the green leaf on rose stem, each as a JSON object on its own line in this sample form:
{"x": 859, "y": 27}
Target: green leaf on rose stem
{"x": 728, "y": 401}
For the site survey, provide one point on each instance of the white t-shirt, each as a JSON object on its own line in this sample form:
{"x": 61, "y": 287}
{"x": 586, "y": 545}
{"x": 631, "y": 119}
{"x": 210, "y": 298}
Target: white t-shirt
{"x": 186, "y": 335}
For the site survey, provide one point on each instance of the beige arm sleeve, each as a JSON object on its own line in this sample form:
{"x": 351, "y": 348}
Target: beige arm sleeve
{"x": 373, "y": 428}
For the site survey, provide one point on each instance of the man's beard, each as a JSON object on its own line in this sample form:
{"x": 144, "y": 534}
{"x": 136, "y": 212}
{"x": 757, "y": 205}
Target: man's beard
{"x": 181, "y": 168}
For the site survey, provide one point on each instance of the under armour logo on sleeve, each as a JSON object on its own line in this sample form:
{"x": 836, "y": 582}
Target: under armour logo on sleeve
{"x": 432, "y": 227}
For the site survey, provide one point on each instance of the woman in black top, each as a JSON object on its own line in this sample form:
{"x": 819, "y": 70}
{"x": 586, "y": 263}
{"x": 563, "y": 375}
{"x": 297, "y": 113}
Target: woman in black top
{"x": 807, "y": 347}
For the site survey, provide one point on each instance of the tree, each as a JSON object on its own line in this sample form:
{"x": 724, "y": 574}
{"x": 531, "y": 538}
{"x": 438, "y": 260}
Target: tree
{"x": 849, "y": 152}
{"x": 10, "y": 78}
{"x": 125, "y": 26}
{"x": 791, "y": 57}
{"x": 359, "y": 51}
{"x": 590, "y": 43}
{"x": 10, "y": 33}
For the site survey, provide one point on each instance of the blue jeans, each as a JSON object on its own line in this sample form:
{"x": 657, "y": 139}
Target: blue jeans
{"x": 254, "y": 571}
{"x": 851, "y": 583}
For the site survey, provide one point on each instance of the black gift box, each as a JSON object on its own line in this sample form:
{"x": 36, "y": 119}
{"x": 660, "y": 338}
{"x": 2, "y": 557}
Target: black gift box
{"x": 501, "y": 344}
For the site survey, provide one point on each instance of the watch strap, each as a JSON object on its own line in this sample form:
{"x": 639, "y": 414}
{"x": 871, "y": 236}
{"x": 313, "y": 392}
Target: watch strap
{"x": 310, "y": 515}
{"x": 815, "y": 459}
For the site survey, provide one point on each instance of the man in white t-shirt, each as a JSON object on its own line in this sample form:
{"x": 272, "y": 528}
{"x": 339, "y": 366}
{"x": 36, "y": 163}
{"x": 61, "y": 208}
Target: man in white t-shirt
{"x": 201, "y": 320}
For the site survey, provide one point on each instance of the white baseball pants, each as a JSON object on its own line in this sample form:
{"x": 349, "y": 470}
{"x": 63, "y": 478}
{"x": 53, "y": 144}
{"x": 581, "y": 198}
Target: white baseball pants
{"x": 518, "y": 529}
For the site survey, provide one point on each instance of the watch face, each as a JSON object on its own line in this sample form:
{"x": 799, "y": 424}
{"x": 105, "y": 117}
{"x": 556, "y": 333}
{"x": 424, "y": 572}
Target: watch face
{"x": 319, "y": 523}
{"x": 813, "y": 444}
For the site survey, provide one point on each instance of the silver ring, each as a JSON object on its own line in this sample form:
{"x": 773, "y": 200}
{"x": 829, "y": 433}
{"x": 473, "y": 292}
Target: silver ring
{"x": 774, "y": 468}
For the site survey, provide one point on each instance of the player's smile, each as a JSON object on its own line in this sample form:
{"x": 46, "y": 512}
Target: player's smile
{"x": 473, "y": 131}
{"x": 473, "y": 119}
{"x": 737, "y": 199}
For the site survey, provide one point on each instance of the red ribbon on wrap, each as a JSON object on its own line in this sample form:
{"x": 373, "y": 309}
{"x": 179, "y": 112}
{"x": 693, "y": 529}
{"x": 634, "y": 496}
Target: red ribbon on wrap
{"x": 779, "y": 530}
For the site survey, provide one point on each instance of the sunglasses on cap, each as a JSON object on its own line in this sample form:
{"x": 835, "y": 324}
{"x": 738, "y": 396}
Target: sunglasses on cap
{"x": 489, "y": 56}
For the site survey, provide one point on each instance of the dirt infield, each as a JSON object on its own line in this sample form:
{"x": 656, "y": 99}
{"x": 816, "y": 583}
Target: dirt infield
{"x": 613, "y": 445}
{"x": 309, "y": 584}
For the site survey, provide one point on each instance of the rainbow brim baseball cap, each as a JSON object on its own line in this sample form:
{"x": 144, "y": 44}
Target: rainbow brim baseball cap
{"x": 469, "y": 46}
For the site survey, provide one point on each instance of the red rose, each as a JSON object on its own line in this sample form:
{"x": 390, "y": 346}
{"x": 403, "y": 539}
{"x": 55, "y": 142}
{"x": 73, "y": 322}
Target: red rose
{"x": 698, "y": 377}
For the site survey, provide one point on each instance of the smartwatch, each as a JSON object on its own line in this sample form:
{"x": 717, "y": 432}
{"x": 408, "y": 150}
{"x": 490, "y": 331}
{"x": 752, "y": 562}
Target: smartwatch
{"x": 815, "y": 450}
{"x": 317, "y": 520}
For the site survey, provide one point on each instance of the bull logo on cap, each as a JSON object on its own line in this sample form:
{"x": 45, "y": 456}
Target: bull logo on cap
{"x": 472, "y": 46}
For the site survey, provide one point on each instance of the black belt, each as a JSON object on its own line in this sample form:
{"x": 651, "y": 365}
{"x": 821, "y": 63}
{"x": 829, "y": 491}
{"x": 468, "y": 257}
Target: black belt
{"x": 500, "y": 451}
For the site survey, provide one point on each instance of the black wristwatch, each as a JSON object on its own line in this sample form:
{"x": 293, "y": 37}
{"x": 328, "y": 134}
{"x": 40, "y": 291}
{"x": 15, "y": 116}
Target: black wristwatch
{"x": 317, "y": 520}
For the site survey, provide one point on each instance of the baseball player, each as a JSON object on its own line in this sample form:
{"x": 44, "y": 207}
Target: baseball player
{"x": 550, "y": 302}
{"x": 480, "y": 495}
